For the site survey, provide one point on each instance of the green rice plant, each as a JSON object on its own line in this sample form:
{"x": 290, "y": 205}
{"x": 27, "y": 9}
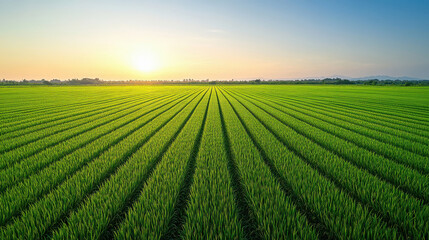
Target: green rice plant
{"x": 16, "y": 155}
{"x": 100, "y": 209}
{"x": 38, "y": 119}
{"x": 400, "y": 208}
{"x": 317, "y": 98}
{"x": 58, "y": 112}
{"x": 341, "y": 214}
{"x": 342, "y": 142}
{"x": 42, "y": 130}
{"x": 275, "y": 212}
{"x": 68, "y": 125}
{"x": 393, "y": 109}
{"x": 399, "y": 138}
{"x": 17, "y": 198}
{"x": 392, "y": 115}
{"x": 32, "y": 164}
{"x": 156, "y": 208}
{"x": 386, "y": 121}
{"x": 16, "y": 116}
{"x": 42, "y": 215}
{"x": 401, "y": 147}
{"x": 226, "y": 162}
{"x": 211, "y": 212}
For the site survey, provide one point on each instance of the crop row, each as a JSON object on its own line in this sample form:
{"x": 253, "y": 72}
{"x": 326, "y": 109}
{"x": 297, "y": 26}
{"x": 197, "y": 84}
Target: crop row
{"x": 31, "y": 134}
{"x": 343, "y": 143}
{"x": 396, "y": 206}
{"x": 29, "y": 120}
{"x": 160, "y": 208}
{"x": 84, "y": 112}
{"x": 24, "y": 193}
{"x": 211, "y": 212}
{"x": 43, "y": 215}
{"x": 351, "y": 110}
{"x": 59, "y": 114}
{"x": 318, "y": 194}
{"x": 364, "y": 124}
{"x": 99, "y": 211}
{"x": 24, "y": 168}
{"x": 394, "y": 115}
{"x": 359, "y": 118}
{"x": 17, "y": 107}
{"x": 388, "y": 123}
{"x": 272, "y": 205}
{"x": 230, "y": 162}
{"x": 388, "y": 106}
{"x": 27, "y": 150}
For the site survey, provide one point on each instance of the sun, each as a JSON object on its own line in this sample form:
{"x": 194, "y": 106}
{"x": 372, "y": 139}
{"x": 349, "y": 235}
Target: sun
{"x": 146, "y": 63}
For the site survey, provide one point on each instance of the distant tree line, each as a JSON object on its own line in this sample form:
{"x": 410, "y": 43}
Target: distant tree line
{"x": 83, "y": 81}
{"x": 328, "y": 81}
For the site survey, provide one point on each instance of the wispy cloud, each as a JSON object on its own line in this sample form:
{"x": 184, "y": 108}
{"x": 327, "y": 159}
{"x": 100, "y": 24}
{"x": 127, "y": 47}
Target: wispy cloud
{"x": 215, "y": 30}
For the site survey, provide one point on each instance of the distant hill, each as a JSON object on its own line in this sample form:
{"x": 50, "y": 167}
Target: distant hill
{"x": 379, "y": 77}
{"x": 385, "y": 77}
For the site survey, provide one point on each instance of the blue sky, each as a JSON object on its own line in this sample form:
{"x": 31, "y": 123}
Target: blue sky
{"x": 213, "y": 39}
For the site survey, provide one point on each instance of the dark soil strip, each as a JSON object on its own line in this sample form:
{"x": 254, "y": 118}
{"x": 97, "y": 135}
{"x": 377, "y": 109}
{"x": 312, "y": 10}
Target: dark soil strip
{"x": 246, "y": 215}
{"x": 42, "y": 110}
{"x": 379, "y": 121}
{"x": 337, "y": 125}
{"x": 18, "y": 160}
{"x": 114, "y": 224}
{"x": 63, "y": 121}
{"x": 30, "y": 122}
{"x": 380, "y": 113}
{"x": 330, "y": 112}
{"x": 88, "y": 142}
{"x": 321, "y": 229}
{"x": 175, "y": 226}
{"x": 385, "y": 217}
{"x": 112, "y": 171}
{"x": 403, "y": 188}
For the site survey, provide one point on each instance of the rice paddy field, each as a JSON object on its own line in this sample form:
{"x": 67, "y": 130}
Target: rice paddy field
{"x": 214, "y": 162}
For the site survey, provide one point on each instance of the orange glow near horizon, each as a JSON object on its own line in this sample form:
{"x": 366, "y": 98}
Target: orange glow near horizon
{"x": 173, "y": 58}
{"x": 217, "y": 40}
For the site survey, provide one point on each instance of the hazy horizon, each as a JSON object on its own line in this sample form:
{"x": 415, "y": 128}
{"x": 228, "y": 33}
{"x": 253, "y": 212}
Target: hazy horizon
{"x": 121, "y": 40}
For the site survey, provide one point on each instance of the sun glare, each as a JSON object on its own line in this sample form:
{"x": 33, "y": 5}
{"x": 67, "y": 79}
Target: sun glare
{"x": 146, "y": 63}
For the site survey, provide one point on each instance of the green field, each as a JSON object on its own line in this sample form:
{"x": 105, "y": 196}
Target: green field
{"x": 214, "y": 162}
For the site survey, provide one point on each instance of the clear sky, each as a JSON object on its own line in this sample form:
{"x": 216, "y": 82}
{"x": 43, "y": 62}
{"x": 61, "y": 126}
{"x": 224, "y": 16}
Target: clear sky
{"x": 120, "y": 40}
